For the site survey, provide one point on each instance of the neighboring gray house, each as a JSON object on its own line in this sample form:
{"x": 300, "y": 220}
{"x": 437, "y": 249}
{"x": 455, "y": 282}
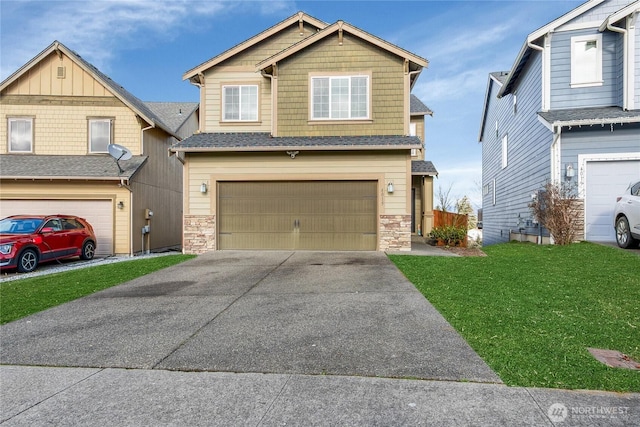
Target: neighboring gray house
{"x": 568, "y": 110}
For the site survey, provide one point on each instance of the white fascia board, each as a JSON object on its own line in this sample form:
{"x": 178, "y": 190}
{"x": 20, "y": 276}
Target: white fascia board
{"x": 553, "y": 25}
{"x": 622, "y": 13}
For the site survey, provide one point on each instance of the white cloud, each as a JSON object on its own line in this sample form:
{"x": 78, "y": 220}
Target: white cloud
{"x": 97, "y": 29}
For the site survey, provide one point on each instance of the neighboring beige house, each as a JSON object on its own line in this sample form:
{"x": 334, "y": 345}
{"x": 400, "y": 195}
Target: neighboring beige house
{"x": 305, "y": 142}
{"x": 59, "y": 116}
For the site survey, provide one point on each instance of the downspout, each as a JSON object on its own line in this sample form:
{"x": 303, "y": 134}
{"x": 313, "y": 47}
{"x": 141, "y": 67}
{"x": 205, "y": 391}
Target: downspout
{"x": 123, "y": 185}
{"x": 556, "y": 163}
{"x": 131, "y": 218}
{"x": 545, "y": 83}
{"x": 273, "y": 108}
{"x": 408, "y": 118}
{"x": 625, "y": 62}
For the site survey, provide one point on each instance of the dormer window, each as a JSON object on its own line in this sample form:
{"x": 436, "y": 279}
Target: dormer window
{"x": 340, "y": 97}
{"x": 586, "y": 61}
{"x": 240, "y": 103}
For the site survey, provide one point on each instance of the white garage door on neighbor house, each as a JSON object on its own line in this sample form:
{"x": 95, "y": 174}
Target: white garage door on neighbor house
{"x": 605, "y": 180}
{"x": 99, "y": 213}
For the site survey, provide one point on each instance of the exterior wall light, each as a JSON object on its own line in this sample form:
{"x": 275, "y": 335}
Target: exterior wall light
{"x": 570, "y": 172}
{"x": 203, "y": 188}
{"x": 390, "y": 187}
{"x": 120, "y": 204}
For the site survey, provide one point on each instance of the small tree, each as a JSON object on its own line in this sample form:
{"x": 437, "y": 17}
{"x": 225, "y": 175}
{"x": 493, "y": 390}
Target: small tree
{"x": 444, "y": 200}
{"x": 556, "y": 210}
{"x": 463, "y": 207}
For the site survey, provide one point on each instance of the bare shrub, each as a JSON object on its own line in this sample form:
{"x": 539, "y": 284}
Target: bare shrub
{"x": 555, "y": 208}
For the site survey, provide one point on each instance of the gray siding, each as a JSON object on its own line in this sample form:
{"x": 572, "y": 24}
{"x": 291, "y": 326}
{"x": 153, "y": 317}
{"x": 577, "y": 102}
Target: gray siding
{"x": 528, "y": 166}
{"x": 600, "y": 12}
{"x": 598, "y": 140}
{"x": 563, "y": 96}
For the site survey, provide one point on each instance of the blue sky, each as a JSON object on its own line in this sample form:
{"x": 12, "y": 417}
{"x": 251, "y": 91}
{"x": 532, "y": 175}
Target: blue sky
{"x": 146, "y": 46}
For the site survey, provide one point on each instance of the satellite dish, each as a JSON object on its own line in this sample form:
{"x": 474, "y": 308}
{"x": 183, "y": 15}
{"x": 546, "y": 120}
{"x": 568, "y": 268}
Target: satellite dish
{"x": 118, "y": 152}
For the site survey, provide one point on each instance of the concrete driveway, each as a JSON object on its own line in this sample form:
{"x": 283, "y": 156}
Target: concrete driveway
{"x": 313, "y": 313}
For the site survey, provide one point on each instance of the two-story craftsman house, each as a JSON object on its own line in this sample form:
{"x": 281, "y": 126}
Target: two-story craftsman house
{"x": 306, "y": 142}
{"x": 567, "y": 111}
{"x": 59, "y": 117}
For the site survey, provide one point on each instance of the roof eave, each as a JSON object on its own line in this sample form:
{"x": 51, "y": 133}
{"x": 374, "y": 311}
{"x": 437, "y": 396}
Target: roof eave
{"x": 294, "y": 148}
{"x": 341, "y": 25}
{"x": 253, "y": 41}
{"x": 591, "y": 122}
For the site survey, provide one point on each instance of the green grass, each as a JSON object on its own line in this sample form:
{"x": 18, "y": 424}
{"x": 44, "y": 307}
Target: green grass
{"x": 531, "y": 311}
{"x": 20, "y": 298}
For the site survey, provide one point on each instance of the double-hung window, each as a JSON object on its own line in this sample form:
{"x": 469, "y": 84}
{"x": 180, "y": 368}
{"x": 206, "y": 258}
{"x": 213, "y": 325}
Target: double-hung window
{"x": 100, "y": 134}
{"x": 240, "y": 103}
{"x": 586, "y": 60}
{"x": 20, "y": 134}
{"x": 340, "y": 97}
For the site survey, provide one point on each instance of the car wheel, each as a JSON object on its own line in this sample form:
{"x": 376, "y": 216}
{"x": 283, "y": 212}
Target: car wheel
{"x": 88, "y": 250}
{"x": 623, "y": 233}
{"x": 27, "y": 261}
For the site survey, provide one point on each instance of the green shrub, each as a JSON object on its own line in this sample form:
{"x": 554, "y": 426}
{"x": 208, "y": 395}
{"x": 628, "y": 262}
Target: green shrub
{"x": 449, "y": 234}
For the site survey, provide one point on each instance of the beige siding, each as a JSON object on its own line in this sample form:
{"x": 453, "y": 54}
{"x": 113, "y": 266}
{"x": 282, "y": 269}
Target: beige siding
{"x": 213, "y": 91}
{"x": 419, "y": 121}
{"x": 158, "y": 186}
{"x": 381, "y": 166}
{"x": 354, "y": 56}
{"x": 88, "y": 191}
{"x": 42, "y": 79}
{"x": 63, "y": 129}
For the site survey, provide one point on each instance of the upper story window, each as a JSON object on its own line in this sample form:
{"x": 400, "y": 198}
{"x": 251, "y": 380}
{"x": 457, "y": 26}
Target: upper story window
{"x": 586, "y": 61}
{"x": 340, "y": 97}
{"x": 100, "y": 135}
{"x": 240, "y": 103}
{"x": 20, "y": 134}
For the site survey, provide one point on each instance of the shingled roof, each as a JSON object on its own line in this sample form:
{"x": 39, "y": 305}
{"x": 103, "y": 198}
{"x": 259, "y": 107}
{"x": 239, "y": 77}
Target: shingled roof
{"x": 423, "y": 167}
{"x": 418, "y": 107}
{"x": 98, "y": 167}
{"x": 173, "y": 114}
{"x": 590, "y": 116}
{"x": 264, "y": 142}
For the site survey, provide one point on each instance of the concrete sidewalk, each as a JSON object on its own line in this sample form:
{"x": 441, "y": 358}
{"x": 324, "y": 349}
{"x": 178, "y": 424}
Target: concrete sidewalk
{"x": 34, "y": 396}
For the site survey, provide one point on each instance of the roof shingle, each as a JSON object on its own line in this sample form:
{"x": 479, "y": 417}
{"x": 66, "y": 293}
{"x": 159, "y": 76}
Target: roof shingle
{"x": 82, "y": 167}
{"x": 423, "y": 167}
{"x": 264, "y": 142}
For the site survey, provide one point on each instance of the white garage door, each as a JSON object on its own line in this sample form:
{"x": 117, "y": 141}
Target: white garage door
{"x": 605, "y": 180}
{"x": 99, "y": 213}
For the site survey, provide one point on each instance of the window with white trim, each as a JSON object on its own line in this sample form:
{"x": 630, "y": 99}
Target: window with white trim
{"x": 340, "y": 98}
{"x": 485, "y": 189}
{"x": 586, "y": 60}
{"x": 240, "y": 103}
{"x": 20, "y": 130}
{"x": 100, "y": 134}
{"x": 505, "y": 146}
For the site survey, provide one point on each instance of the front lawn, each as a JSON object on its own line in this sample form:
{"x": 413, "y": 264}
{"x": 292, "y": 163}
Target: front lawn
{"x": 20, "y": 298}
{"x": 531, "y": 311}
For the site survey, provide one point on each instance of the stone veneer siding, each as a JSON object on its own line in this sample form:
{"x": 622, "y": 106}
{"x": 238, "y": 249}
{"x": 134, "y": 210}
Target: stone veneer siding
{"x": 199, "y": 234}
{"x": 395, "y": 233}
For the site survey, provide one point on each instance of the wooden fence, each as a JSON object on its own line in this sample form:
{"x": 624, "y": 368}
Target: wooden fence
{"x": 441, "y": 219}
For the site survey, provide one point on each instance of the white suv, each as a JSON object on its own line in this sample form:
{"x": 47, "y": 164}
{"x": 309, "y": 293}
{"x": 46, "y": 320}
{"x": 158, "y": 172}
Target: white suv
{"x": 626, "y": 219}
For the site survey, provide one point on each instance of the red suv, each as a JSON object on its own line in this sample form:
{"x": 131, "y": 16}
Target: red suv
{"x": 26, "y": 240}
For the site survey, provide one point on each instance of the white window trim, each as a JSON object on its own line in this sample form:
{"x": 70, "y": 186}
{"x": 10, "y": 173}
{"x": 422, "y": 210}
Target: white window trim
{"x": 14, "y": 119}
{"x": 505, "y": 150}
{"x": 94, "y": 120}
{"x": 339, "y": 76}
{"x": 493, "y": 185}
{"x": 598, "y": 79}
{"x": 240, "y": 86}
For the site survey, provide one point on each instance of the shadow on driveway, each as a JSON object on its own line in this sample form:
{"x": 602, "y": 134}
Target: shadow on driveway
{"x": 343, "y": 313}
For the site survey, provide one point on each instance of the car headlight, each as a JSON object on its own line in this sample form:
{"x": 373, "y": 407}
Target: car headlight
{"x": 6, "y": 248}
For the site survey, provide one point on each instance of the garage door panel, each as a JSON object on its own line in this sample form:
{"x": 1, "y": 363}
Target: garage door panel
{"x": 605, "y": 180}
{"x": 312, "y": 215}
{"x": 99, "y": 213}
